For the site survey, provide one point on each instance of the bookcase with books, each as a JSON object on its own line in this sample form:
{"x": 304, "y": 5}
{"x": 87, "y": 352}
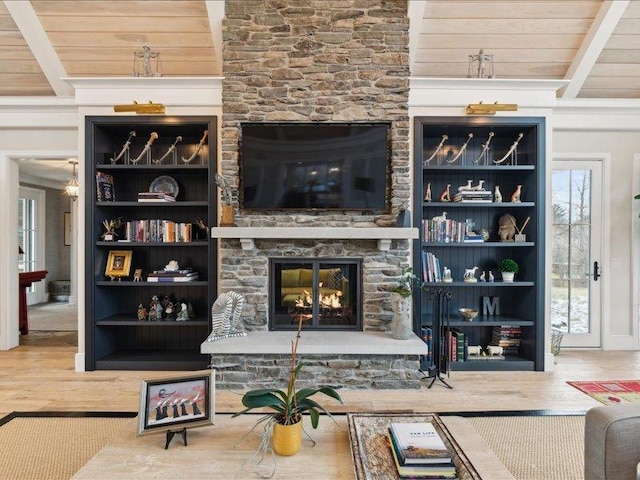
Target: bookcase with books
{"x": 479, "y": 199}
{"x": 150, "y": 195}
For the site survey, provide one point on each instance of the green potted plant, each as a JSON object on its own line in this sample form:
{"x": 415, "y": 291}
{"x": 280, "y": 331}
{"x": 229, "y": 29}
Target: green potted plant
{"x": 284, "y": 424}
{"x": 508, "y": 268}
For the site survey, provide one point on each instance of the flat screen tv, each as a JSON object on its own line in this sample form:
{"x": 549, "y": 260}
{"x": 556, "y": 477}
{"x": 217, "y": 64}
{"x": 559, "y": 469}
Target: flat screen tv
{"x": 315, "y": 166}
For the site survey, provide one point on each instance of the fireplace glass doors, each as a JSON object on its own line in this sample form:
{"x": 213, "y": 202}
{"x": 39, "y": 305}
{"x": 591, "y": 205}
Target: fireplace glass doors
{"x": 322, "y": 293}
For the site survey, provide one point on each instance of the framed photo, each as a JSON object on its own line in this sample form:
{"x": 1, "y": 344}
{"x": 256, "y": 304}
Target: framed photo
{"x": 119, "y": 263}
{"x": 183, "y": 402}
{"x": 67, "y": 229}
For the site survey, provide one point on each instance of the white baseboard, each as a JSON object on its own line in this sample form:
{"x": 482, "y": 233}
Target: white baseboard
{"x": 549, "y": 362}
{"x": 79, "y": 361}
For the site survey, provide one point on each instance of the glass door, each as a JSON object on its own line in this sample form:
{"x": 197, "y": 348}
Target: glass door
{"x": 31, "y": 236}
{"x": 576, "y": 252}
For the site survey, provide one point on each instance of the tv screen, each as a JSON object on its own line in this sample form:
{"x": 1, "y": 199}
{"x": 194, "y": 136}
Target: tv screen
{"x": 319, "y": 166}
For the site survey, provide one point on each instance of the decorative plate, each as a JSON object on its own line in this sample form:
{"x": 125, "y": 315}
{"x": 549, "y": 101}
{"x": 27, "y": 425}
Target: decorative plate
{"x": 165, "y": 184}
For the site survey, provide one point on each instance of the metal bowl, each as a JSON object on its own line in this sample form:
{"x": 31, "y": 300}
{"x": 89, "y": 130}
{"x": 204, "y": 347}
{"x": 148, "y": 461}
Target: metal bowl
{"x": 468, "y": 314}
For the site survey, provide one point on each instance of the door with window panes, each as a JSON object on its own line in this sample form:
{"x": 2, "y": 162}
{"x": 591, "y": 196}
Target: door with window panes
{"x": 576, "y": 252}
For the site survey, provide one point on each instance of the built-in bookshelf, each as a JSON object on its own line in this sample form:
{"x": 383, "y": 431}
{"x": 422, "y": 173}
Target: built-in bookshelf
{"x": 127, "y": 159}
{"x": 459, "y": 162}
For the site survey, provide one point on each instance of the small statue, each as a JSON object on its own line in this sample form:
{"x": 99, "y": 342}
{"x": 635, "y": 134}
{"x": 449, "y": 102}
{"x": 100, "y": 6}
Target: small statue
{"x": 497, "y": 195}
{"x": 142, "y": 312}
{"x": 480, "y": 185}
{"x": 137, "y": 275}
{"x": 445, "y": 196}
{"x": 506, "y": 227}
{"x": 159, "y": 307}
{"x": 183, "y": 314}
{"x": 491, "y": 277}
{"x": 470, "y": 274}
{"x": 170, "y": 312}
{"x": 468, "y": 186}
{"x": 483, "y": 277}
{"x": 427, "y": 194}
{"x": 515, "y": 196}
{"x": 446, "y": 275}
{"x": 172, "y": 266}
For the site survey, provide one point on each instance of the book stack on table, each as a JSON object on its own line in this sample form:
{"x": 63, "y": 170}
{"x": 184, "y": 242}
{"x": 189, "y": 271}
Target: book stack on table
{"x": 184, "y": 275}
{"x": 419, "y": 452}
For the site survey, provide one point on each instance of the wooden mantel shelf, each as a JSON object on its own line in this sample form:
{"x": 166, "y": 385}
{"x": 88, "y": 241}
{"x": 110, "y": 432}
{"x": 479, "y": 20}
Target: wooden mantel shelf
{"x": 383, "y": 235}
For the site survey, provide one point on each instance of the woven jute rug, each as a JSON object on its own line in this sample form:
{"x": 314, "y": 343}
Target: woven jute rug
{"x": 536, "y": 447}
{"x": 53, "y": 448}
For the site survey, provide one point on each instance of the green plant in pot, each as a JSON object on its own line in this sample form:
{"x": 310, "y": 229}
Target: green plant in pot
{"x": 288, "y": 406}
{"x": 508, "y": 268}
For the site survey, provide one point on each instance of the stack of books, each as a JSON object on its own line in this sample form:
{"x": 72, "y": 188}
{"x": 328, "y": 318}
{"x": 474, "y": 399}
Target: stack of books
{"x": 184, "y": 275}
{"x": 507, "y": 337}
{"x": 419, "y": 452}
{"x": 473, "y": 196}
{"x": 155, "y": 197}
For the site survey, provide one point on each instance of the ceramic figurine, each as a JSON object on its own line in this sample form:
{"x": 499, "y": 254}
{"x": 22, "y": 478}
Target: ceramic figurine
{"x": 466, "y": 187}
{"x": 470, "y": 274}
{"x": 515, "y": 196}
{"x": 491, "y": 277}
{"x": 142, "y": 312}
{"x": 446, "y": 275}
{"x": 445, "y": 196}
{"x": 427, "y": 194}
{"x": 497, "y": 195}
{"x": 483, "y": 276}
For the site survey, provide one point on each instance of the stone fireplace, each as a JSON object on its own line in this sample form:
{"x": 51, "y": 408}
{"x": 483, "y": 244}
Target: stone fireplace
{"x": 320, "y": 293}
{"x": 316, "y": 61}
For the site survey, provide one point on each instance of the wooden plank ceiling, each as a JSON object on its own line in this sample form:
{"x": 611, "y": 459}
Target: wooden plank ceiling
{"x": 595, "y": 44}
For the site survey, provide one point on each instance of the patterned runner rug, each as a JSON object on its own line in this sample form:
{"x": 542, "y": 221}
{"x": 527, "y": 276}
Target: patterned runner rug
{"x": 610, "y": 391}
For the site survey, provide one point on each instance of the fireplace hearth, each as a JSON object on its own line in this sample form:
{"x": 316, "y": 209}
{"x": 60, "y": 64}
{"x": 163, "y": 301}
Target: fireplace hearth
{"x": 323, "y": 294}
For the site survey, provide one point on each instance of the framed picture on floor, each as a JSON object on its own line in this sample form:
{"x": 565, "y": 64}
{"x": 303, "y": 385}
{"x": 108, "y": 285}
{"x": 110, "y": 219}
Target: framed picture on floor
{"x": 177, "y": 402}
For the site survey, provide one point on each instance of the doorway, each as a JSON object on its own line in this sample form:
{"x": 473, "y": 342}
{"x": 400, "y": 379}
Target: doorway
{"x": 577, "y": 246}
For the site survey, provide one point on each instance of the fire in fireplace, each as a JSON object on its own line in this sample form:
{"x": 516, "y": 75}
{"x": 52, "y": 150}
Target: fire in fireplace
{"x": 324, "y": 293}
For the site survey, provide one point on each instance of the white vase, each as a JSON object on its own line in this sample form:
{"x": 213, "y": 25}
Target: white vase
{"x": 401, "y": 328}
{"x": 507, "y": 277}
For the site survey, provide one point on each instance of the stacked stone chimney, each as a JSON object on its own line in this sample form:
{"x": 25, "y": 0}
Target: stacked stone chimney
{"x": 316, "y": 61}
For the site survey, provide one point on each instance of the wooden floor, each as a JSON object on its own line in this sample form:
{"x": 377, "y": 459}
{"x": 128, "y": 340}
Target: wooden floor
{"x": 34, "y": 377}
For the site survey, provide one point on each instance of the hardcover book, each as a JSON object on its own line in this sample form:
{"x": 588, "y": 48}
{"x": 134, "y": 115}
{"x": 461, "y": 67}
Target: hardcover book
{"x": 418, "y": 444}
{"x": 104, "y": 187}
{"x": 445, "y": 470}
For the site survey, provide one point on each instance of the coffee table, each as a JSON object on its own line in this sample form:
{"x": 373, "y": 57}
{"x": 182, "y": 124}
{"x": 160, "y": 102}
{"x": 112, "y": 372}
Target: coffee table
{"x": 372, "y": 457}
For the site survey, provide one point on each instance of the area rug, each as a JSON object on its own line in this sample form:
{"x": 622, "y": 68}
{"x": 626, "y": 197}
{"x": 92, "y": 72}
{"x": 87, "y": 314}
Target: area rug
{"x": 549, "y": 447}
{"x": 54, "y": 446}
{"x": 611, "y": 392}
{"x": 53, "y": 316}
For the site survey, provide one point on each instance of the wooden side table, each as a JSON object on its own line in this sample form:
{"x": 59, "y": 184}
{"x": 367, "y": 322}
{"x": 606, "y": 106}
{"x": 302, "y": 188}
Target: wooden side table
{"x": 26, "y": 279}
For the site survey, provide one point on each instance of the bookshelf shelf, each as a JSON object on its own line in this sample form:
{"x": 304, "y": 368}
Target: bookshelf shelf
{"x": 115, "y": 339}
{"x": 475, "y": 174}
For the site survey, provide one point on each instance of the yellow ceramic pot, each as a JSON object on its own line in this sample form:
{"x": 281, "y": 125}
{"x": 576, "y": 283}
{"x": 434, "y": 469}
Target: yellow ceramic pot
{"x": 287, "y": 439}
